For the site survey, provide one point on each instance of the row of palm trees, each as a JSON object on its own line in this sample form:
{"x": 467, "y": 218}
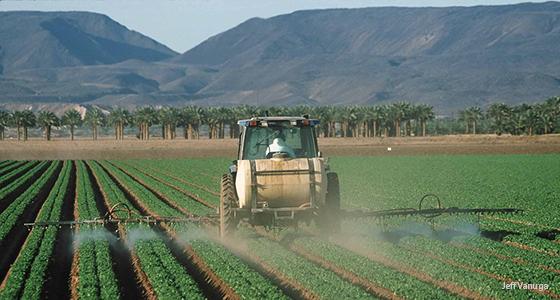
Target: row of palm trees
{"x": 396, "y": 119}
{"x": 349, "y": 121}
{"x": 540, "y": 118}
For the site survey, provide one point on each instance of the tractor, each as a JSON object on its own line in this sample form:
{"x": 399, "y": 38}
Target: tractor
{"x": 279, "y": 178}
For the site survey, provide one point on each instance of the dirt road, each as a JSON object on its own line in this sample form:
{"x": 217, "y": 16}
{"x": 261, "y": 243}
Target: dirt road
{"x": 132, "y": 148}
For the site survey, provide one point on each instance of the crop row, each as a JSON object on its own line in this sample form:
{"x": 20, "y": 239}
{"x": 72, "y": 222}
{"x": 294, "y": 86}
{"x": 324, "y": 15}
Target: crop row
{"x": 247, "y": 284}
{"x": 490, "y": 233}
{"x": 6, "y": 168}
{"x": 244, "y": 280}
{"x": 5, "y": 163}
{"x": 487, "y": 255}
{"x": 483, "y": 263}
{"x": 10, "y": 216}
{"x": 166, "y": 276}
{"x": 96, "y": 278}
{"x": 173, "y": 195}
{"x": 527, "y": 237}
{"x": 204, "y": 172}
{"x": 323, "y": 283}
{"x": 440, "y": 267}
{"x": 505, "y": 244}
{"x": 17, "y": 182}
{"x": 402, "y": 284}
{"x": 27, "y": 274}
{"x": 200, "y": 186}
{"x": 515, "y": 254}
{"x": 11, "y": 176}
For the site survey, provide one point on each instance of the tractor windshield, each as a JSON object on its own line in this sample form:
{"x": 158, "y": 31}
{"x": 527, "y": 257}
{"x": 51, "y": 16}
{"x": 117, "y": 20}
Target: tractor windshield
{"x": 297, "y": 142}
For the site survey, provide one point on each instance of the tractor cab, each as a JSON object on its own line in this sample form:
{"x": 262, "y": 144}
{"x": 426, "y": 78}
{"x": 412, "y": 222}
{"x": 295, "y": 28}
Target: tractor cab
{"x": 286, "y": 137}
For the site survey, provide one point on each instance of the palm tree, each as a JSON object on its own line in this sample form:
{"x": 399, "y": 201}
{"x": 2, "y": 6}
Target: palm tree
{"x": 72, "y": 118}
{"x": 23, "y": 120}
{"x": 192, "y": 119}
{"x": 474, "y": 114}
{"x": 409, "y": 116}
{"x": 5, "y": 120}
{"x": 424, "y": 113}
{"x": 530, "y": 119}
{"x": 119, "y": 118}
{"x": 169, "y": 118}
{"x": 47, "y": 119}
{"x": 211, "y": 118}
{"x": 500, "y": 114}
{"x": 464, "y": 118}
{"x": 385, "y": 119}
{"x": 235, "y": 115}
{"x": 361, "y": 128}
{"x": 144, "y": 118}
{"x": 94, "y": 118}
{"x": 554, "y": 105}
{"x": 546, "y": 116}
{"x": 375, "y": 116}
{"x": 399, "y": 111}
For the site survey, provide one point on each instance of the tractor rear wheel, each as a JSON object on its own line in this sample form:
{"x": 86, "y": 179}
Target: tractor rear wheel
{"x": 330, "y": 222}
{"x": 228, "y": 200}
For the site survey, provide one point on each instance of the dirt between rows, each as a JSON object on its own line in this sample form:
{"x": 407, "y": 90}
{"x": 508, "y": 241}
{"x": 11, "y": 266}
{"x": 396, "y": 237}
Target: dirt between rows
{"x": 179, "y": 148}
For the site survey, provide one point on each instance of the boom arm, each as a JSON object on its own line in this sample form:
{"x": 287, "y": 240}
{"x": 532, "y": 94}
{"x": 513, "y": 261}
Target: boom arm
{"x": 429, "y": 213}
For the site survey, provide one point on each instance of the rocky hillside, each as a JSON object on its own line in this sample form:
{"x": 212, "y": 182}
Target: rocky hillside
{"x": 31, "y": 40}
{"x": 448, "y": 57}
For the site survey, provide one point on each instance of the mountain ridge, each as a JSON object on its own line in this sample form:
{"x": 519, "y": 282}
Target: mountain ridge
{"x": 448, "y": 57}
{"x": 33, "y": 39}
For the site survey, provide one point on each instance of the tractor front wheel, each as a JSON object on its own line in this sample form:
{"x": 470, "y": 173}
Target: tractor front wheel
{"x": 228, "y": 200}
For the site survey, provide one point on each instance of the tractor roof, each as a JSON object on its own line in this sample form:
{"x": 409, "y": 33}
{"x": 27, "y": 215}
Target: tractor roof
{"x": 246, "y": 122}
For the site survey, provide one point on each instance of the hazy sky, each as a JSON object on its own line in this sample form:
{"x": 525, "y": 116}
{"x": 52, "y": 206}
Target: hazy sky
{"x": 182, "y": 24}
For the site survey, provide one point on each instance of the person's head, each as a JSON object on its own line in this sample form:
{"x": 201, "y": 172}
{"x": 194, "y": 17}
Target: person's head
{"x": 278, "y": 145}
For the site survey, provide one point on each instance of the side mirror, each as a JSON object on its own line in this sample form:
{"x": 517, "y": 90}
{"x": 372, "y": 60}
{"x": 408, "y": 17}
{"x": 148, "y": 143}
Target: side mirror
{"x": 319, "y": 154}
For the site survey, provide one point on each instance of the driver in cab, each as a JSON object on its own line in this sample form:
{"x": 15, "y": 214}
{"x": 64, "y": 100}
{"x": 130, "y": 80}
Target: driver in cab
{"x": 278, "y": 147}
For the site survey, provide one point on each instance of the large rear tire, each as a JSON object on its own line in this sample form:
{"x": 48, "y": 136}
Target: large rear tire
{"x": 330, "y": 218}
{"x": 228, "y": 200}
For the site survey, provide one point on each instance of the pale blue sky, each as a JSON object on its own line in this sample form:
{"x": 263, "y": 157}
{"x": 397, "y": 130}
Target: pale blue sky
{"x": 182, "y": 24}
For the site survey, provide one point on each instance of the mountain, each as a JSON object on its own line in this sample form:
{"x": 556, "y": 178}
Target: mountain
{"x": 31, "y": 40}
{"x": 450, "y": 57}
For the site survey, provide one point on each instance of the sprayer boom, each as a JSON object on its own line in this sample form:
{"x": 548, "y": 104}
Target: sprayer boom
{"x": 429, "y": 213}
{"x": 435, "y": 210}
{"x": 120, "y": 213}
{"x": 142, "y": 219}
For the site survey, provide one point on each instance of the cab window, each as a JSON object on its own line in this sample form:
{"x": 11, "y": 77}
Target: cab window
{"x": 300, "y": 139}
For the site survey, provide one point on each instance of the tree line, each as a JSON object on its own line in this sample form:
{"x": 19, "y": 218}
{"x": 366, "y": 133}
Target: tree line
{"x": 396, "y": 119}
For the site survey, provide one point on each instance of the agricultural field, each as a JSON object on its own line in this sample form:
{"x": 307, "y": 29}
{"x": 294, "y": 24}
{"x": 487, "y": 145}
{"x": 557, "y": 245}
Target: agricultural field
{"x": 447, "y": 257}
